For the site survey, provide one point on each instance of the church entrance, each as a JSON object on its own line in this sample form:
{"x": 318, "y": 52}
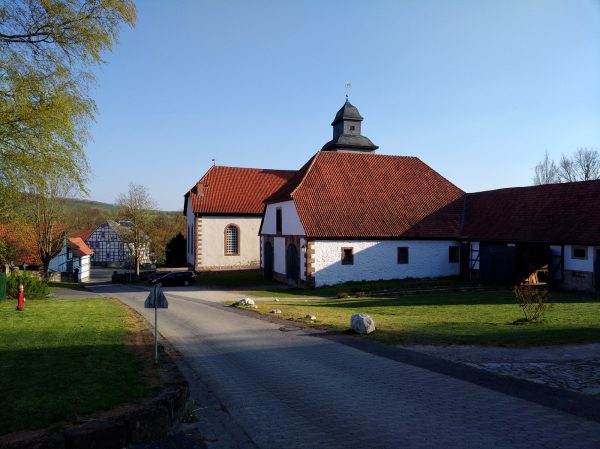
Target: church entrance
{"x": 292, "y": 265}
{"x": 268, "y": 267}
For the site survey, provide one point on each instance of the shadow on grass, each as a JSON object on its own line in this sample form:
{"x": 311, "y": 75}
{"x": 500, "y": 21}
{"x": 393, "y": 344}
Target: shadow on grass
{"x": 45, "y": 386}
{"x": 535, "y": 334}
{"x": 446, "y": 299}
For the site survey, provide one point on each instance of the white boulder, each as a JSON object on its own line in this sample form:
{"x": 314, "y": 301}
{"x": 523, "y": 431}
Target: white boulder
{"x": 247, "y": 302}
{"x": 275, "y": 311}
{"x": 310, "y": 317}
{"x": 362, "y": 323}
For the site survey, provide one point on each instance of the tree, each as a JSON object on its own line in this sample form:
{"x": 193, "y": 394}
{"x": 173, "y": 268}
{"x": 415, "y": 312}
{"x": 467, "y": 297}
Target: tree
{"x": 136, "y": 206}
{"x": 164, "y": 227}
{"x": 545, "y": 172}
{"x": 43, "y": 211}
{"x": 47, "y": 49}
{"x": 583, "y": 165}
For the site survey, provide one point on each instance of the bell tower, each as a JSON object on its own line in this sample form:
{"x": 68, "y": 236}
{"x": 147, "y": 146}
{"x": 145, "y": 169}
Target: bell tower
{"x": 347, "y": 133}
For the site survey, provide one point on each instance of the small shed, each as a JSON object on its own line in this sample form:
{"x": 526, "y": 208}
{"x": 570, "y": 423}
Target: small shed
{"x": 72, "y": 261}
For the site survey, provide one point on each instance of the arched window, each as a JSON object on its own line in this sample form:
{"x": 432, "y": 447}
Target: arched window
{"x": 232, "y": 240}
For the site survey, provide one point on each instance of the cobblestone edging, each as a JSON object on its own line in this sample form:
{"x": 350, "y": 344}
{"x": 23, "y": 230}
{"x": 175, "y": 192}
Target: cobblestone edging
{"x": 570, "y": 367}
{"x": 125, "y": 426}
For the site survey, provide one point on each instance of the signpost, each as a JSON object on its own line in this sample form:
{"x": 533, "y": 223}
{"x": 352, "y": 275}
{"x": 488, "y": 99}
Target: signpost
{"x": 156, "y": 299}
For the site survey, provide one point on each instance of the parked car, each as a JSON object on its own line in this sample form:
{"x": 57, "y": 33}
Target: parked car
{"x": 173, "y": 278}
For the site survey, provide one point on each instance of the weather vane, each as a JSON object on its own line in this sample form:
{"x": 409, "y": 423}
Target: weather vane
{"x": 348, "y": 86}
{"x": 214, "y": 161}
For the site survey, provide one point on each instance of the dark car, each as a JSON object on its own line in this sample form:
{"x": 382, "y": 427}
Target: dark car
{"x": 173, "y": 278}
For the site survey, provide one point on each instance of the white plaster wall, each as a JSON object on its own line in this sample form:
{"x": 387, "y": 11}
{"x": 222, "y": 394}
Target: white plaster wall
{"x": 290, "y": 220}
{"x": 84, "y": 269}
{"x": 375, "y": 260}
{"x": 279, "y": 253}
{"x": 213, "y": 242}
{"x": 579, "y": 264}
{"x": 189, "y": 235}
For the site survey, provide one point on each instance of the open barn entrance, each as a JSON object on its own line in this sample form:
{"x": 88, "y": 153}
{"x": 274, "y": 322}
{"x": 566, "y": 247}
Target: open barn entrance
{"x": 515, "y": 263}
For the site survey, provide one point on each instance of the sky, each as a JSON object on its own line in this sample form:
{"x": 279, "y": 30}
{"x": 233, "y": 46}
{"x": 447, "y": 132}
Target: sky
{"x": 477, "y": 89}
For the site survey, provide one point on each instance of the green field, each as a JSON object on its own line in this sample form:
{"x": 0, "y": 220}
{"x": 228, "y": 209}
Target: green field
{"x": 479, "y": 318}
{"x": 62, "y": 359}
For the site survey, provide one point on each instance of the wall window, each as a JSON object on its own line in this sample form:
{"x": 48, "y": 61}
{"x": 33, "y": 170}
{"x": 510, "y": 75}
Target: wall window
{"x": 579, "y": 252}
{"x": 403, "y": 254}
{"x": 278, "y": 223}
{"x": 232, "y": 240}
{"x": 347, "y": 256}
{"x": 453, "y": 256}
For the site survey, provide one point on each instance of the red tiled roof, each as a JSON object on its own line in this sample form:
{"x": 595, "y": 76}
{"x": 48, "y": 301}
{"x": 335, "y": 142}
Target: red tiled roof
{"x": 235, "y": 190}
{"x": 552, "y": 213}
{"x": 79, "y": 247}
{"x": 83, "y": 234}
{"x": 362, "y": 195}
{"x": 21, "y": 244}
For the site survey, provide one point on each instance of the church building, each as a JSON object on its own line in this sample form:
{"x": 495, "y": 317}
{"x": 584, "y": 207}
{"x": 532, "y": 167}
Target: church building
{"x": 350, "y": 214}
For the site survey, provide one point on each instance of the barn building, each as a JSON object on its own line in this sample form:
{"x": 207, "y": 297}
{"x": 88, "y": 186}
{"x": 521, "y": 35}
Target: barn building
{"x": 349, "y": 214}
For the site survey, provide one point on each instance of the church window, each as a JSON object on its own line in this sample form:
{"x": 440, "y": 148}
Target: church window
{"x": 278, "y": 222}
{"x": 403, "y": 255}
{"x": 352, "y": 128}
{"x": 347, "y": 256}
{"x": 232, "y": 240}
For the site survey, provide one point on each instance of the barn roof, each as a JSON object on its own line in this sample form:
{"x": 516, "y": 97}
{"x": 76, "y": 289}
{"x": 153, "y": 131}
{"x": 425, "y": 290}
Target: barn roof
{"x": 362, "y": 195}
{"x": 552, "y": 213}
{"x": 235, "y": 190}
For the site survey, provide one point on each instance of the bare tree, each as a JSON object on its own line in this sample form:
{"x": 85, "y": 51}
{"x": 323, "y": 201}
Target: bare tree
{"x": 136, "y": 206}
{"x": 583, "y": 165}
{"x": 545, "y": 172}
{"x": 587, "y": 164}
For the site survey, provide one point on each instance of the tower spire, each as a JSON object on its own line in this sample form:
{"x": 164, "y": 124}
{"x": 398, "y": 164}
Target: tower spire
{"x": 347, "y": 86}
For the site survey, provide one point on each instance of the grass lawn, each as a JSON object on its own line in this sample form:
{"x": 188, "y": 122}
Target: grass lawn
{"x": 481, "y": 318}
{"x": 63, "y": 284}
{"x": 368, "y": 287}
{"x": 233, "y": 279}
{"x": 65, "y": 359}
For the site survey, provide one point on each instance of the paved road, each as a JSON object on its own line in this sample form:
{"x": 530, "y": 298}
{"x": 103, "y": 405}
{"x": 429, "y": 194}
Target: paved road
{"x": 291, "y": 389}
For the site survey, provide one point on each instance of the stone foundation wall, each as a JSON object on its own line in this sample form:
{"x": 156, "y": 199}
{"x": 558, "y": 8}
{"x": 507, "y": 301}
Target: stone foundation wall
{"x": 578, "y": 280}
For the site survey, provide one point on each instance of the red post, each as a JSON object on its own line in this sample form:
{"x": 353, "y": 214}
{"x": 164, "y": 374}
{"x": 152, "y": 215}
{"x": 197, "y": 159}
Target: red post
{"x": 21, "y": 300}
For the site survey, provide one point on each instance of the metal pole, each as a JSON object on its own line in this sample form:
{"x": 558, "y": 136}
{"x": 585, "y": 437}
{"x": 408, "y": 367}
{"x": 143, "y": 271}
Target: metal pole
{"x": 155, "y": 327}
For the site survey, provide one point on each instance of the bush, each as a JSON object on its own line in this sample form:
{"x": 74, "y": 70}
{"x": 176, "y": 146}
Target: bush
{"x": 342, "y": 295}
{"x": 534, "y": 302}
{"x": 35, "y": 288}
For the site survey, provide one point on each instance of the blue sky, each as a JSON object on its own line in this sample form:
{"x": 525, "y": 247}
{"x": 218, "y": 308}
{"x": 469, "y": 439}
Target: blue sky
{"x": 478, "y": 90}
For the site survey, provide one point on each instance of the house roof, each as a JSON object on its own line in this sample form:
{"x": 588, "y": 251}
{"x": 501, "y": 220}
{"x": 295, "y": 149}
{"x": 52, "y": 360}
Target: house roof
{"x": 363, "y": 195}
{"x": 79, "y": 247}
{"x": 235, "y": 190}
{"x": 84, "y": 234}
{"x": 552, "y": 213}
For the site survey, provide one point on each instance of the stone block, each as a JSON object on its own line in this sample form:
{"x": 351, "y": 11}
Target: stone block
{"x": 149, "y": 422}
{"x": 97, "y": 434}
